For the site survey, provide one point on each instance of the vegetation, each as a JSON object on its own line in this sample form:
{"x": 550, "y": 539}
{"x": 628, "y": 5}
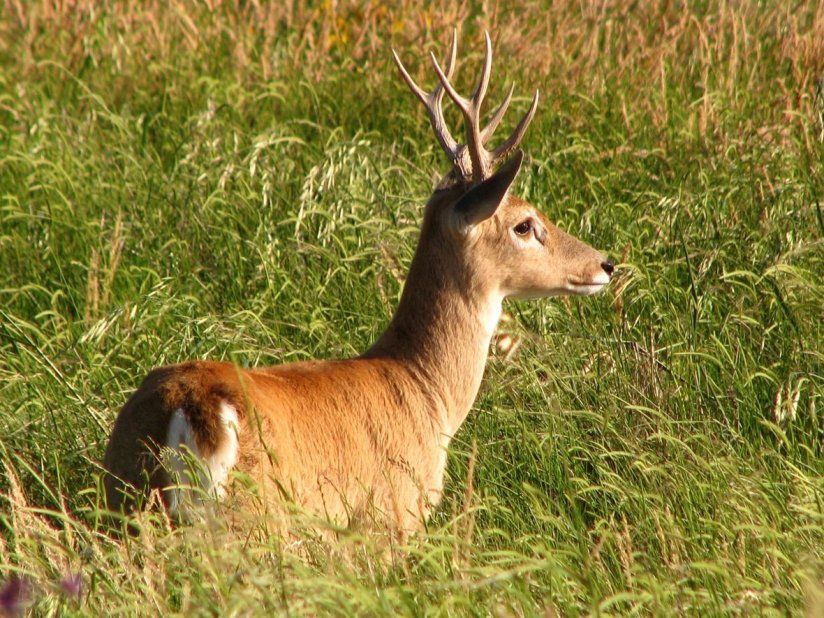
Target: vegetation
{"x": 245, "y": 181}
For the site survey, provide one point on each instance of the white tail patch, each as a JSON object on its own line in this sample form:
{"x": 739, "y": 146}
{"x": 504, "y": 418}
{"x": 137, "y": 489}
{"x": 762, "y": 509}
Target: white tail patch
{"x": 225, "y": 457}
{"x": 192, "y": 474}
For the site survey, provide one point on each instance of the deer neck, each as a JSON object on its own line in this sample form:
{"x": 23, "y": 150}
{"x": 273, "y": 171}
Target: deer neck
{"x": 441, "y": 331}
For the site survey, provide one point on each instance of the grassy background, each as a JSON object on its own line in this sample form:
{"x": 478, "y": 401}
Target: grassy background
{"x": 242, "y": 181}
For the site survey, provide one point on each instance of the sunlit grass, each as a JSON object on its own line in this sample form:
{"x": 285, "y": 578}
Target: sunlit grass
{"x": 246, "y": 184}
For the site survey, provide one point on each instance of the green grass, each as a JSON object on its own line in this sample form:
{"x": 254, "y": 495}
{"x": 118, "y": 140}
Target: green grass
{"x": 246, "y": 184}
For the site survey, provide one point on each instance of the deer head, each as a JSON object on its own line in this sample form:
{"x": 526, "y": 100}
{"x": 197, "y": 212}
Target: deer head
{"x": 490, "y": 238}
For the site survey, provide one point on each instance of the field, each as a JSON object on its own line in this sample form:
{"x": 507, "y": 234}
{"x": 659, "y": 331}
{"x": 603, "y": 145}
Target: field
{"x": 245, "y": 181}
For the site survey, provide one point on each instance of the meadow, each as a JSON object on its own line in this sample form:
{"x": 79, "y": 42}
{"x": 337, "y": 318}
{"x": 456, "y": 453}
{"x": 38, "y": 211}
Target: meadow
{"x": 244, "y": 181}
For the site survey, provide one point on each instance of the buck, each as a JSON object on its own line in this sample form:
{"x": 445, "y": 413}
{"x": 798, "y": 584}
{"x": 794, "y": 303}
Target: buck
{"x": 368, "y": 435}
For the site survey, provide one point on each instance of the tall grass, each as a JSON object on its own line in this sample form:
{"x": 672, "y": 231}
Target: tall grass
{"x": 244, "y": 181}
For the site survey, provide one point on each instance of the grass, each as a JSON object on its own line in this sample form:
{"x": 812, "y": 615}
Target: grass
{"x": 245, "y": 182}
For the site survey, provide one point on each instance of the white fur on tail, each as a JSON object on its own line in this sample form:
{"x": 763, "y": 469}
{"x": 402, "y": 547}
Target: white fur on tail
{"x": 208, "y": 474}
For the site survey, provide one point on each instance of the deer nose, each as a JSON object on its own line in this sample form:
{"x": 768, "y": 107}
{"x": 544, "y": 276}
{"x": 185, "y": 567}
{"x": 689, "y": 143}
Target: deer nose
{"x": 608, "y": 266}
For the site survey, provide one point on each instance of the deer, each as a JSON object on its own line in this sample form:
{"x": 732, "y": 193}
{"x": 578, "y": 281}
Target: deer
{"x": 367, "y": 436}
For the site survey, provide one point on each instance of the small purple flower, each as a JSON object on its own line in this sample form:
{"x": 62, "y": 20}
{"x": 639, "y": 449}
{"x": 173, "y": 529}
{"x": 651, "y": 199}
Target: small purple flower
{"x": 72, "y": 585}
{"x": 14, "y": 596}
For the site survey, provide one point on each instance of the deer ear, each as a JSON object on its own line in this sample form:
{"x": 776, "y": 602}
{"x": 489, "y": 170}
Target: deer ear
{"x": 481, "y": 201}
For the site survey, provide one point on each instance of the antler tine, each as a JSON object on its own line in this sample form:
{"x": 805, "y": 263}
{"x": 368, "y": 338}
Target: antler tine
{"x": 416, "y": 90}
{"x": 472, "y": 161}
{"x": 462, "y": 103}
{"x": 435, "y": 108}
{"x": 471, "y": 112}
{"x": 474, "y": 140}
{"x": 513, "y": 140}
{"x": 480, "y": 91}
{"x": 453, "y": 54}
{"x": 477, "y": 155}
{"x": 497, "y": 116}
{"x": 432, "y": 102}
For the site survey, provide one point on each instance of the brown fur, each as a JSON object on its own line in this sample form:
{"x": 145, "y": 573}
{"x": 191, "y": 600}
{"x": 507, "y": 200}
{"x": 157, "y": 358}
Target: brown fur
{"x": 343, "y": 438}
{"x": 132, "y": 455}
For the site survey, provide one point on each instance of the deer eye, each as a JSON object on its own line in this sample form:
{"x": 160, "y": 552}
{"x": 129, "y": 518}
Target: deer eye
{"x": 524, "y": 227}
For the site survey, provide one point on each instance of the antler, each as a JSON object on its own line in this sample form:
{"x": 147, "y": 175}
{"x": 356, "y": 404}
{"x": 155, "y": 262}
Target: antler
{"x": 471, "y": 161}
